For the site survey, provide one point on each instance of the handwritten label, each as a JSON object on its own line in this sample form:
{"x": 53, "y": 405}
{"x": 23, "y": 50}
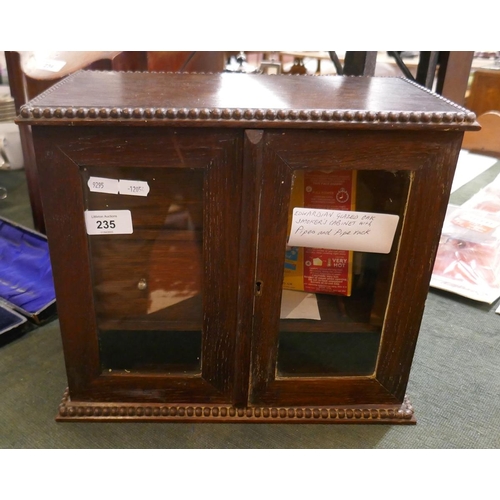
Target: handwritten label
{"x": 343, "y": 230}
{"x": 51, "y": 65}
{"x": 118, "y": 186}
{"x": 108, "y": 222}
{"x": 134, "y": 188}
{"x": 103, "y": 185}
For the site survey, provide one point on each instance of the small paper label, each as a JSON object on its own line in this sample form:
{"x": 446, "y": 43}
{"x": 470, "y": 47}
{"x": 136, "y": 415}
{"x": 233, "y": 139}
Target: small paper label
{"x": 103, "y": 185}
{"x": 118, "y": 186}
{"x": 108, "y": 222}
{"x": 134, "y": 188}
{"x": 51, "y": 65}
{"x": 299, "y": 305}
{"x": 343, "y": 230}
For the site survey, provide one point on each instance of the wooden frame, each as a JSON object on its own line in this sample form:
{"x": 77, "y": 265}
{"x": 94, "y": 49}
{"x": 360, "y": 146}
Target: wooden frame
{"x": 427, "y": 164}
{"x": 72, "y": 260}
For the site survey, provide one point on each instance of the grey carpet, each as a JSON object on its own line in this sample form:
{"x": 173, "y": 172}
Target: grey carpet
{"x": 454, "y": 387}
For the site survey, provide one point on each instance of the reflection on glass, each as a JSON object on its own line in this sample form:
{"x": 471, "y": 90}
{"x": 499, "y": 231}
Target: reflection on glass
{"x": 334, "y": 301}
{"x": 148, "y": 284}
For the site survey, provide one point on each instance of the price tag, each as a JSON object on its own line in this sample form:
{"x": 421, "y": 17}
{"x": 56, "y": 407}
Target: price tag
{"x": 134, "y": 188}
{"x": 108, "y": 222}
{"x": 103, "y": 185}
{"x": 51, "y": 65}
{"x": 118, "y": 186}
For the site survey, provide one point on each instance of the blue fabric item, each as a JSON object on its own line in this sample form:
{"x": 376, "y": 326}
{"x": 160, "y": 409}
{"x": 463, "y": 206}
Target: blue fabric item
{"x": 25, "y": 270}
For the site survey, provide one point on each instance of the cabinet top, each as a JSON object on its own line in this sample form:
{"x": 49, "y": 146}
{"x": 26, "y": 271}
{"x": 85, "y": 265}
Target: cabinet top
{"x": 244, "y": 100}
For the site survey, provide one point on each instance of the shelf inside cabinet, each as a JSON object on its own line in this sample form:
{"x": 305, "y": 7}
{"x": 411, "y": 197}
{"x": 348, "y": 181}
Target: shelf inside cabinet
{"x": 184, "y": 316}
{"x": 338, "y": 314}
{"x": 359, "y": 313}
{"x": 148, "y": 279}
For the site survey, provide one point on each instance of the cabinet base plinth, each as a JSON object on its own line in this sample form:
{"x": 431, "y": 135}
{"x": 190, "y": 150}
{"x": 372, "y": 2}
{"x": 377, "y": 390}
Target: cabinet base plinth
{"x": 78, "y": 411}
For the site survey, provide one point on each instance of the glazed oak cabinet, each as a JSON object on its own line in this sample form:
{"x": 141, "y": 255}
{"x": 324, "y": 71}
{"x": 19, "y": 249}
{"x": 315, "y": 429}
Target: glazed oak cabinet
{"x": 242, "y": 248}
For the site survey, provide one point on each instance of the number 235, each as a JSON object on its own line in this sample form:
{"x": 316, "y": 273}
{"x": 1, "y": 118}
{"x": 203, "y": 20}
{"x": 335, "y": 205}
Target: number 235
{"x": 104, "y": 224}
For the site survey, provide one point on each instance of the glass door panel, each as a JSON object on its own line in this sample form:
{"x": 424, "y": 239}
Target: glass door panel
{"x": 343, "y": 228}
{"x": 145, "y": 229}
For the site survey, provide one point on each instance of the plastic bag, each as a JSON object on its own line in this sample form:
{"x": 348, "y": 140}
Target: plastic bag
{"x": 468, "y": 257}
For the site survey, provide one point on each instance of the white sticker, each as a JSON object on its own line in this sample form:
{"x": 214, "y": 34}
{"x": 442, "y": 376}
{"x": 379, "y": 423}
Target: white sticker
{"x": 134, "y": 188}
{"x": 343, "y": 230}
{"x": 108, "y": 222}
{"x": 103, "y": 185}
{"x": 51, "y": 65}
{"x": 118, "y": 186}
{"x": 498, "y": 310}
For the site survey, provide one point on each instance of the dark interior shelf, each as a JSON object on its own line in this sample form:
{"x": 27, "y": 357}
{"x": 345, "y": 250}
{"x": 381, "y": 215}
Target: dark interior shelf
{"x": 183, "y": 316}
{"x": 338, "y": 314}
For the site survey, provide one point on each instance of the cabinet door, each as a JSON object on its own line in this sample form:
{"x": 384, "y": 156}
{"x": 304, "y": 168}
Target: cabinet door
{"x": 339, "y": 326}
{"x": 144, "y": 225}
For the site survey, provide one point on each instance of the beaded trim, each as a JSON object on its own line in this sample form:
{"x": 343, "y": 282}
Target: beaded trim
{"x": 461, "y": 117}
{"x": 260, "y": 115}
{"x": 74, "y": 411}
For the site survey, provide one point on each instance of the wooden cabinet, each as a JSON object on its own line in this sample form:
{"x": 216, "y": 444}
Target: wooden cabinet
{"x": 170, "y": 203}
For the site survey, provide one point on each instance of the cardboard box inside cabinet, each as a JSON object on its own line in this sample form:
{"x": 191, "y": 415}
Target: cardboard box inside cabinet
{"x": 26, "y": 285}
{"x": 319, "y": 270}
